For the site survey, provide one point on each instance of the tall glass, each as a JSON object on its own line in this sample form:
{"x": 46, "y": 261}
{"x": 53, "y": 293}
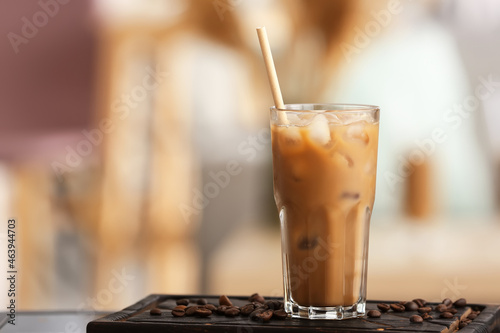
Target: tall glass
{"x": 324, "y": 165}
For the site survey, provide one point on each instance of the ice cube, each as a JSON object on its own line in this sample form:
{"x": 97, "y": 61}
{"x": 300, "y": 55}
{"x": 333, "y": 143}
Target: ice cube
{"x": 306, "y": 118}
{"x": 343, "y": 160}
{"x": 319, "y": 131}
{"x": 370, "y": 166}
{"x": 293, "y": 119}
{"x": 333, "y": 118}
{"x": 290, "y": 136}
{"x": 356, "y": 132}
{"x": 350, "y": 118}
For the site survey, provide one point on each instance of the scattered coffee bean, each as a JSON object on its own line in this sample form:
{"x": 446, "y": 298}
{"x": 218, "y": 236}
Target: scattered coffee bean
{"x": 180, "y": 307}
{"x": 280, "y": 314}
{"x": 426, "y": 316}
{"x": 425, "y": 309}
{"x": 462, "y": 324}
{"x": 453, "y": 310}
{"x": 202, "y": 312}
{"x": 383, "y": 307}
{"x": 201, "y": 301}
{"x": 420, "y": 302}
{"x": 257, "y": 298}
{"x": 373, "y": 314}
{"x": 190, "y": 310}
{"x": 211, "y": 307}
{"x": 178, "y": 313}
{"x": 273, "y": 305}
{"x": 446, "y": 315}
{"x": 416, "y": 319}
{"x": 396, "y": 307}
{"x": 447, "y": 302}
{"x": 182, "y": 301}
{"x": 472, "y": 316}
{"x": 441, "y": 308}
{"x": 155, "y": 312}
{"x": 265, "y": 316}
{"x": 255, "y": 313}
{"x": 411, "y": 306}
{"x": 223, "y": 300}
{"x": 232, "y": 312}
{"x": 247, "y": 309}
{"x": 460, "y": 303}
{"x": 221, "y": 310}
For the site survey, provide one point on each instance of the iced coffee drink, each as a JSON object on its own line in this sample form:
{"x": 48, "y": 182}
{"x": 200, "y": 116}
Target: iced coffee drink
{"x": 325, "y": 161}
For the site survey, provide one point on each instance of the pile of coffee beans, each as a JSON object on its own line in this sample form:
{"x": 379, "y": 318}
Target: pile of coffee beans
{"x": 446, "y": 309}
{"x": 260, "y": 310}
{"x": 257, "y": 309}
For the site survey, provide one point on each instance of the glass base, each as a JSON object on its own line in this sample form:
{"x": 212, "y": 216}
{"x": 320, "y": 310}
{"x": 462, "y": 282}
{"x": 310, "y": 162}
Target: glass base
{"x": 326, "y": 312}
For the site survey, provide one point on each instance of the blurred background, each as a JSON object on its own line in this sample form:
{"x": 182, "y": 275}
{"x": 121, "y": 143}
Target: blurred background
{"x": 135, "y": 153}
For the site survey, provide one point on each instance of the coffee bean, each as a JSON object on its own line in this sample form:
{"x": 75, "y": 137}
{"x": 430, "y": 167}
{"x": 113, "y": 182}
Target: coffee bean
{"x": 416, "y": 319}
{"x": 460, "y": 303}
{"x": 282, "y": 305}
{"x": 373, "y": 314}
{"x": 211, "y": 307}
{"x": 280, "y": 314}
{"x": 441, "y": 308}
{"x": 265, "y": 316}
{"x": 221, "y": 310}
{"x": 452, "y": 310}
{"x": 223, "y": 300}
{"x": 420, "y": 302}
{"x": 258, "y": 305}
{"x": 447, "y": 302}
{"x": 411, "y": 306}
{"x": 383, "y": 307}
{"x": 472, "y": 316}
{"x": 202, "y": 312}
{"x": 232, "y": 312}
{"x": 178, "y": 313}
{"x": 201, "y": 301}
{"x": 397, "y": 307}
{"x": 273, "y": 305}
{"x": 155, "y": 312}
{"x": 247, "y": 309}
{"x": 425, "y": 309}
{"x": 182, "y": 301}
{"x": 446, "y": 315}
{"x": 426, "y": 316}
{"x": 190, "y": 310}
{"x": 257, "y": 298}
{"x": 255, "y": 313}
{"x": 403, "y": 302}
{"x": 462, "y": 324}
{"x": 180, "y": 307}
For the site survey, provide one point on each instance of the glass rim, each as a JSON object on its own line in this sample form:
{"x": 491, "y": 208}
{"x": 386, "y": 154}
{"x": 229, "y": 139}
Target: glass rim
{"x": 327, "y": 107}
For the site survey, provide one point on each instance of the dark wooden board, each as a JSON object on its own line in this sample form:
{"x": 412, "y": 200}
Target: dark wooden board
{"x": 136, "y": 318}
